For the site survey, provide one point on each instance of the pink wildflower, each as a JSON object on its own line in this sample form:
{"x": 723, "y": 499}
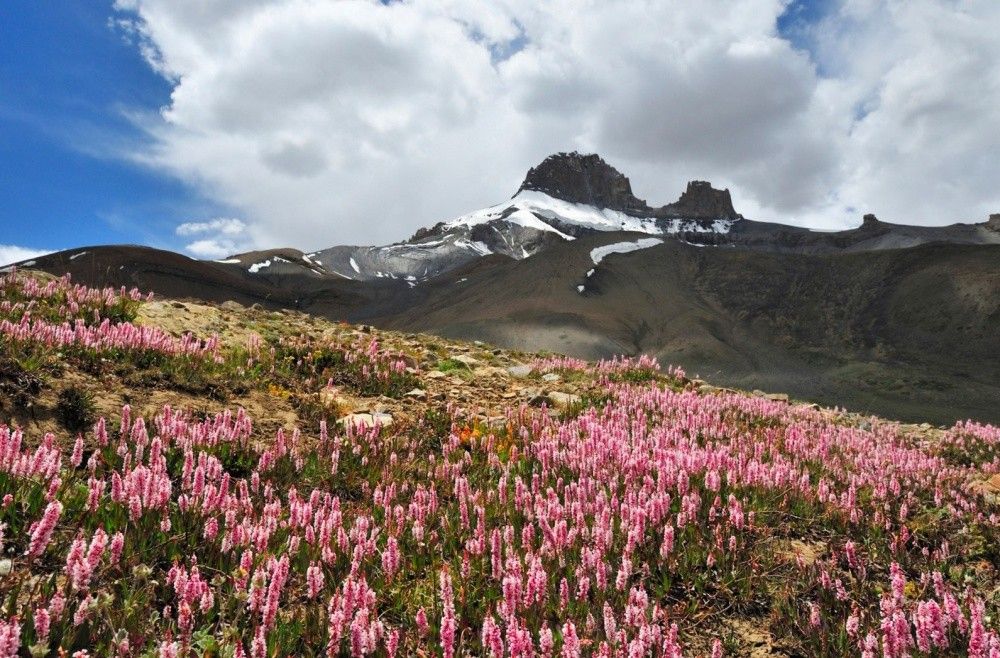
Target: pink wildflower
{"x": 41, "y": 531}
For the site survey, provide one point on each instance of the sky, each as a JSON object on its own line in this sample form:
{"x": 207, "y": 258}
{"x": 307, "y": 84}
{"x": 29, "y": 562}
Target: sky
{"x": 218, "y": 126}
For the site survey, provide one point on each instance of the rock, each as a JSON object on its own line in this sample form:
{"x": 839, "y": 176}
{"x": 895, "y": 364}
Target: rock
{"x": 584, "y": 179}
{"x": 870, "y": 221}
{"x": 550, "y": 377}
{"x": 6, "y": 566}
{"x": 535, "y": 397}
{"x": 988, "y": 489}
{"x": 702, "y": 201}
{"x": 563, "y": 400}
{"x": 435, "y": 374}
{"x": 993, "y": 223}
{"x": 520, "y": 371}
{"x": 231, "y": 305}
{"x": 588, "y": 179}
{"x": 331, "y": 398}
{"x": 466, "y": 360}
{"x": 417, "y": 393}
{"x": 777, "y": 397}
{"x": 366, "y": 420}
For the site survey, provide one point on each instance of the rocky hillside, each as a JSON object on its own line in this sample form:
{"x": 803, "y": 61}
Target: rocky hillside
{"x": 198, "y": 479}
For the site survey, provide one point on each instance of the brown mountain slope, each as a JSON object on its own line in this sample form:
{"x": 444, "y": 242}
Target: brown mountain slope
{"x": 907, "y": 333}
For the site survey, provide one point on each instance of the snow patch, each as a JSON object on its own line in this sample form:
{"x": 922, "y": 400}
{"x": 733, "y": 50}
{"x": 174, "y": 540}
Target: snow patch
{"x": 29, "y": 263}
{"x": 75, "y": 256}
{"x": 511, "y": 211}
{"x": 580, "y": 289}
{"x": 531, "y": 209}
{"x": 229, "y": 261}
{"x": 599, "y": 254}
{"x": 354, "y": 265}
{"x": 476, "y": 246}
{"x": 257, "y": 267}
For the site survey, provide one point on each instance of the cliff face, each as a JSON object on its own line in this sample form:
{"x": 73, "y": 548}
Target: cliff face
{"x": 588, "y": 179}
{"x": 702, "y": 201}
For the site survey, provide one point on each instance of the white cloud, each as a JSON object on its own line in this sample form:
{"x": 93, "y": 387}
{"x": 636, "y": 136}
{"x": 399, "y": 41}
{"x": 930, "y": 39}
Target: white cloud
{"x": 353, "y": 121}
{"x": 223, "y": 225}
{"x": 211, "y": 248}
{"x": 11, "y": 253}
{"x": 217, "y": 238}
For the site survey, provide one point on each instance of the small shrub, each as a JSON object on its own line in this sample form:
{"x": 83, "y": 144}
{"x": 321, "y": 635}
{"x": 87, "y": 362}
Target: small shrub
{"x": 75, "y": 409}
{"x": 447, "y": 365}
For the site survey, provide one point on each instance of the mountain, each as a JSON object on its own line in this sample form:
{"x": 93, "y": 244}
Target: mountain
{"x": 571, "y": 195}
{"x": 885, "y": 318}
{"x": 565, "y": 197}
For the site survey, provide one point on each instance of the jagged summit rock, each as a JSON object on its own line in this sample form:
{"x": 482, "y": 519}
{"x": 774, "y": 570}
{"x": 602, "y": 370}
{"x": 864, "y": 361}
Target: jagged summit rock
{"x": 588, "y": 179}
{"x": 585, "y": 179}
{"x": 993, "y": 223}
{"x": 702, "y": 201}
{"x": 869, "y": 221}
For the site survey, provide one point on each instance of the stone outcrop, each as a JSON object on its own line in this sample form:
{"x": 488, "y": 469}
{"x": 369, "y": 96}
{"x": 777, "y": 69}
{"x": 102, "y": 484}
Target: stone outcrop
{"x": 993, "y": 223}
{"x": 584, "y": 179}
{"x": 702, "y": 201}
{"x": 588, "y": 179}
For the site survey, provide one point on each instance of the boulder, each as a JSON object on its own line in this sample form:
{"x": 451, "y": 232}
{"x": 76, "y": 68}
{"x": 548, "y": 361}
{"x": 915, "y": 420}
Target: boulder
{"x": 563, "y": 400}
{"x": 520, "y": 371}
{"x": 361, "y": 421}
{"x": 466, "y": 360}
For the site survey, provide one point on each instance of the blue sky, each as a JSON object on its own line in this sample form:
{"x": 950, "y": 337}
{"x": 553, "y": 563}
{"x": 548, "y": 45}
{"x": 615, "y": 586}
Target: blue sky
{"x": 68, "y": 82}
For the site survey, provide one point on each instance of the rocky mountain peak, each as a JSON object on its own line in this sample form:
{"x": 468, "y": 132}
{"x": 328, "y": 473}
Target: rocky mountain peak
{"x": 869, "y": 220}
{"x": 993, "y": 223}
{"x": 581, "y": 178}
{"x": 702, "y": 201}
{"x": 588, "y": 179}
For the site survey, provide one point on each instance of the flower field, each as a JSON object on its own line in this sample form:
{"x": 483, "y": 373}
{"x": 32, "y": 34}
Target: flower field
{"x": 643, "y": 521}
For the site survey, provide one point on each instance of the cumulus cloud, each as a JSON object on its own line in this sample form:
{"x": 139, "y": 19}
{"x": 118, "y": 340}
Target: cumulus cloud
{"x": 357, "y": 122}
{"x": 11, "y": 253}
{"x": 216, "y": 238}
